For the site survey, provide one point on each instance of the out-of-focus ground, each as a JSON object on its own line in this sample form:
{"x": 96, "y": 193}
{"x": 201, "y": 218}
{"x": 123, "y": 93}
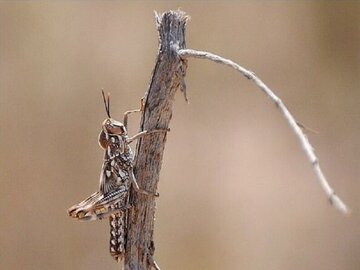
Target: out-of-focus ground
{"x": 236, "y": 191}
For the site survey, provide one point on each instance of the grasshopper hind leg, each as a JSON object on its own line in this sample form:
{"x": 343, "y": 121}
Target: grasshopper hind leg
{"x": 137, "y": 188}
{"x": 118, "y": 223}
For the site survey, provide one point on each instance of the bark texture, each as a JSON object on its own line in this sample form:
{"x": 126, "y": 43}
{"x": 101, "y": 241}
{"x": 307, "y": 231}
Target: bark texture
{"x": 167, "y": 78}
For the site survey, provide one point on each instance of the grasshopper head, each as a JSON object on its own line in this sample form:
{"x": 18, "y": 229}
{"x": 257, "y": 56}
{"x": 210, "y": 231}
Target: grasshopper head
{"x": 110, "y": 126}
{"x": 113, "y": 127}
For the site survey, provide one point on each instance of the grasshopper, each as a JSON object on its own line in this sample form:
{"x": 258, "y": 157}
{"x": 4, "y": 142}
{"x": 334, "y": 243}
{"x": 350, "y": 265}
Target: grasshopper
{"x": 116, "y": 180}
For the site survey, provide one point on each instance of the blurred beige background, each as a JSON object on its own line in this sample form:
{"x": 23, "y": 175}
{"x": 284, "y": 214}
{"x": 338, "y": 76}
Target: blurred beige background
{"x": 236, "y": 190}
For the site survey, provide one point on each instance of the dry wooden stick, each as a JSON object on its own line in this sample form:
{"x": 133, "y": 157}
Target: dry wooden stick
{"x": 166, "y": 79}
{"x": 308, "y": 149}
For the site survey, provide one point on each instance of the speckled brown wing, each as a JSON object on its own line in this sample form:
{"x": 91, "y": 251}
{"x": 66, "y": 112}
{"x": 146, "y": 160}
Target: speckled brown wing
{"x": 99, "y": 206}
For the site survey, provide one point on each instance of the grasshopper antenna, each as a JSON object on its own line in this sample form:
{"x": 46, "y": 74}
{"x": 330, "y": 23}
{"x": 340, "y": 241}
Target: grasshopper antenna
{"x": 107, "y": 104}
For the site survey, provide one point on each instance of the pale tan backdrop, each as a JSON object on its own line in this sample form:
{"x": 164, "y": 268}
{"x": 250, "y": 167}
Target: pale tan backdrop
{"x": 236, "y": 189}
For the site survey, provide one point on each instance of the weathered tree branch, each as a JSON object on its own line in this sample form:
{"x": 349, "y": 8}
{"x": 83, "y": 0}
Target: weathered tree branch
{"x": 166, "y": 79}
{"x": 308, "y": 149}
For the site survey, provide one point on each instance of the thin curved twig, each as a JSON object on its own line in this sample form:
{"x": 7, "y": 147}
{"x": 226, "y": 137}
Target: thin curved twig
{"x": 308, "y": 149}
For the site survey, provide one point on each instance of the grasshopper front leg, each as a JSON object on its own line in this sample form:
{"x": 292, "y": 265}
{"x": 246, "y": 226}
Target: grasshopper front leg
{"x": 145, "y": 133}
{"x": 126, "y": 114}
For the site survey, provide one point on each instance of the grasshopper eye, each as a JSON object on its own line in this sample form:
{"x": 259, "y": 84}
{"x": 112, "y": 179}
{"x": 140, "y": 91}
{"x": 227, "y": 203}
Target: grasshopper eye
{"x": 119, "y": 129}
{"x": 116, "y": 130}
